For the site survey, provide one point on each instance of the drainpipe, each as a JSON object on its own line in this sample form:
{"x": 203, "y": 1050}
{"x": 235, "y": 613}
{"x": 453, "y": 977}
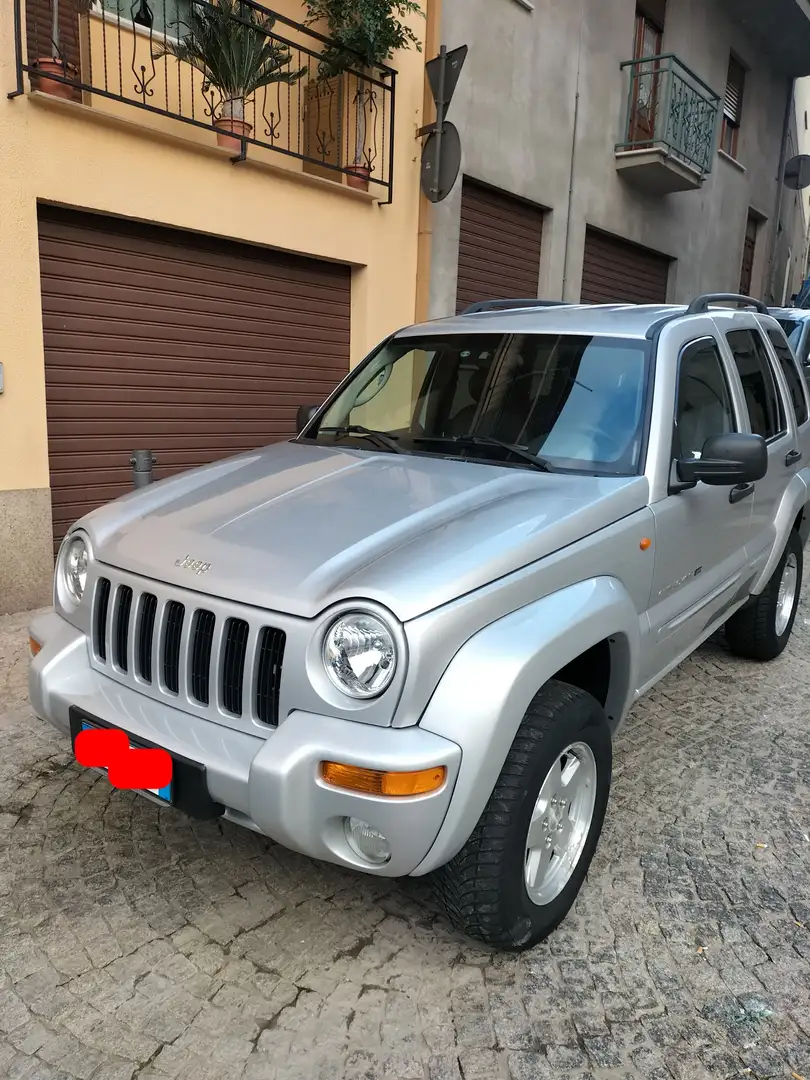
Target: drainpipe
{"x": 780, "y": 188}
{"x": 424, "y": 248}
{"x": 572, "y": 166}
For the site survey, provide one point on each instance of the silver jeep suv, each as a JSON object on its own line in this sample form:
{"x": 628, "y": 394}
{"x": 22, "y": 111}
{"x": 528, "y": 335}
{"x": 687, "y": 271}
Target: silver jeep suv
{"x": 402, "y": 642}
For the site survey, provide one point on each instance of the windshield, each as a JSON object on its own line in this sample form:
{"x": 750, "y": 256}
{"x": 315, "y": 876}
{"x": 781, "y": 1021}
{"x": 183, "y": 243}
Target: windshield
{"x": 576, "y": 402}
{"x": 793, "y": 331}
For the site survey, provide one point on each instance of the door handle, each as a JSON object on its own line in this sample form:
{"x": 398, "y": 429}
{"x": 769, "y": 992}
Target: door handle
{"x": 740, "y": 492}
{"x": 792, "y": 456}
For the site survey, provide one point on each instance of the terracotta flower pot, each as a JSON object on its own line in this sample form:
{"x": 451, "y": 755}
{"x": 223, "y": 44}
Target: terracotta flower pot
{"x": 229, "y": 130}
{"x": 357, "y": 176}
{"x": 52, "y": 65}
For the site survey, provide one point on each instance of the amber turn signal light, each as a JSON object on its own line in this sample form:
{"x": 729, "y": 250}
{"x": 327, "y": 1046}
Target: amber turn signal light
{"x": 34, "y": 646}
{"x": 373, "y": 782}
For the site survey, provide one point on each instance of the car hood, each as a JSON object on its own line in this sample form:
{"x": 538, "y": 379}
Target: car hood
{"x": 298, "y": 527}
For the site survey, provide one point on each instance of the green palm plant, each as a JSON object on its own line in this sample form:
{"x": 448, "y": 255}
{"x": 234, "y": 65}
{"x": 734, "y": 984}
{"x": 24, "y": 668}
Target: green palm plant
{"x": 231, "y": 44}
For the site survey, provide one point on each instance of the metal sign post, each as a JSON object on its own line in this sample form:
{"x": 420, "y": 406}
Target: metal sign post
{"x": 441, "y": 153}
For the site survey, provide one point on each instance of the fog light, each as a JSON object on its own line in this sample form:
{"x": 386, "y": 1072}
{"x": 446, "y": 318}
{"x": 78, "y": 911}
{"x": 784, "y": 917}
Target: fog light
{"x": 366, "y": 841}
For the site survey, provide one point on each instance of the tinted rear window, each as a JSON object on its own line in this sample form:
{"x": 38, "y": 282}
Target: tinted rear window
{"x": 762, "y": 397}
{"x": 793, "y": 331}
{"x": 792, "y": 375}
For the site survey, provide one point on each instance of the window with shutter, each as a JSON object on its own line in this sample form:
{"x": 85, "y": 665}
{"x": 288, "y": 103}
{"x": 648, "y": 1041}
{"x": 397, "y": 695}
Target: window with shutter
{"x": 732, "y": 107}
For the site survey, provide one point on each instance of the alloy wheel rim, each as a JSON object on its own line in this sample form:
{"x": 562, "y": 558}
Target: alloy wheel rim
{"x": 786, "y": 597}
{"x": 560, "y": 823}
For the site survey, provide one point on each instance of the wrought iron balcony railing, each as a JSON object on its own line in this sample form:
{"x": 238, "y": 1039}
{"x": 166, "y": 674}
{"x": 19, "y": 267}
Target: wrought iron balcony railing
{"x": 236, "y": 73}
{"x": 669, "y": 108}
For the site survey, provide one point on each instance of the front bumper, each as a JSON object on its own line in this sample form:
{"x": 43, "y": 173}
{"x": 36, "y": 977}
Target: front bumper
{"x": 267, "y": 782}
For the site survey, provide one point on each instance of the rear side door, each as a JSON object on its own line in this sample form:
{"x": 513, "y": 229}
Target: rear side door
{"x": 797, "y": 388}
{"x": 770, "y": 417}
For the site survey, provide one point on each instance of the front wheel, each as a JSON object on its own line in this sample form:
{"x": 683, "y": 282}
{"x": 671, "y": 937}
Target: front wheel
{"x": 516, "y": 878}
{"x": 761, "y": 630}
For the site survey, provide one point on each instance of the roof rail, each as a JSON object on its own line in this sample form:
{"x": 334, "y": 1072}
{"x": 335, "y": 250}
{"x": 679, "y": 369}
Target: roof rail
{"x": 505, "y": 305}
{"x": 700, "y": 305}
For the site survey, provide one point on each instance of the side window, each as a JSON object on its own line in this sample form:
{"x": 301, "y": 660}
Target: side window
{"x": 793, "y": 376}
{"x": 761, "y": 397}
{"x": 703, "y": 406}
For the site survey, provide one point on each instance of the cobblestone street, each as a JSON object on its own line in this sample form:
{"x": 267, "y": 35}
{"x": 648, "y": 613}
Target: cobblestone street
{"x": 134, "y": 942}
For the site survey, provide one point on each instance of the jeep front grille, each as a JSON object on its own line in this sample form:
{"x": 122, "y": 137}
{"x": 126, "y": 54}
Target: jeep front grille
{"x": 195, "y": 654}
{"x": 202, "y": 642}
{"x": 100, "y": 619}
{"x": 145, "y": 638}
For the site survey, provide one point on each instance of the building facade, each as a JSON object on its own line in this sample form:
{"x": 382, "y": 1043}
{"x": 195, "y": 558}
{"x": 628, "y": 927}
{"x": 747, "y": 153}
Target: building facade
{"x": 621, "y": 150}
{"x": 173, "y": 285}
{"x": 802, "y": 97}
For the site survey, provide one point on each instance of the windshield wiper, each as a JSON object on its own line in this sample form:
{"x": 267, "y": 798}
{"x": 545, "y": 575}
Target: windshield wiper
{"x": 381, "y": 438}
{"x": 488, "y": 440}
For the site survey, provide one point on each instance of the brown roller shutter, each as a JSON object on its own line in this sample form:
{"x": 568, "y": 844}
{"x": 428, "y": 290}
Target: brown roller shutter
{"x": 190, "y": 347}
{"x": 615, "y": 271}
{"x": 499, "y": 250}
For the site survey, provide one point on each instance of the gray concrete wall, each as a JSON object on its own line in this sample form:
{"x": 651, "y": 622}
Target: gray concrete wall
{"x": 515, "y": 107}
{"x": 789, "y": 257}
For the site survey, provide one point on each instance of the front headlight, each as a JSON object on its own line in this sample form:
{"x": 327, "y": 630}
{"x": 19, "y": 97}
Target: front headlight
{"x": 72, "y": 568}
{"x": 360, "y": 655}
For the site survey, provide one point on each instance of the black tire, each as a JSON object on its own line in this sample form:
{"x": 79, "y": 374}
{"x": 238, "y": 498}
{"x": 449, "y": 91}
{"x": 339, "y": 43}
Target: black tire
{"x": 482, "y": 890}
{"x": 751, "y": 632}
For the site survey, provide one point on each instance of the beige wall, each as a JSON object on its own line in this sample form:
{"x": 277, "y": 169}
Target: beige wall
{"x": 74, "y": 155}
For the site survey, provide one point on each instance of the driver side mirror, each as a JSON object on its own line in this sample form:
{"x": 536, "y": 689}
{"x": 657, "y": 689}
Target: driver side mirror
{"x": 303, "y": 416}
{"x": 729, "y": 459}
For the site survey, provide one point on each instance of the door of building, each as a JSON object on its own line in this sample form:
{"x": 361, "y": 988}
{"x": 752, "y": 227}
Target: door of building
{"x": 499, "y": 246}
{"x": 646, "y": 95}
{"x": 190, "y": 347}
{"x": 614, "y": 271}
{"x": 749, "y": 250}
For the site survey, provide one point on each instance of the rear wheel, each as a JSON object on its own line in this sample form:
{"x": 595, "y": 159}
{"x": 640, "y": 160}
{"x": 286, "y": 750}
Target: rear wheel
{"x": 761, "y": 630}
{"x": 518, "y": 875}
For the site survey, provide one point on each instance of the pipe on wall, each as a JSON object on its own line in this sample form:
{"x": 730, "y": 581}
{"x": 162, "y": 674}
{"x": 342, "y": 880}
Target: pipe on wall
{"x": 572, "y": 165}
{"x": 433, "y": 32}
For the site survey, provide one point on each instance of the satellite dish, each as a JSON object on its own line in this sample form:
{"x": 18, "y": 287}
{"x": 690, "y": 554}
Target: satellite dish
{"x": 797, "y": 172}
{"x": 439, "y": 176}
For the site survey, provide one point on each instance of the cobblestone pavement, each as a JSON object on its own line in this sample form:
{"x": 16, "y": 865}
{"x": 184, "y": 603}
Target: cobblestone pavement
{"x": 134, "y": 942}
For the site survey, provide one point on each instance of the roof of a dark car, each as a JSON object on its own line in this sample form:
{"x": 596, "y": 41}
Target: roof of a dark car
{"x": 608, "y": 320}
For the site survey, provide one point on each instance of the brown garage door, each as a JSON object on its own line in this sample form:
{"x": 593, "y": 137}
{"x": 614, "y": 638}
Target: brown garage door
{"x": 190, "y": 347}
{"x": 499, "y": 250}
{"x": 617, "y": 272}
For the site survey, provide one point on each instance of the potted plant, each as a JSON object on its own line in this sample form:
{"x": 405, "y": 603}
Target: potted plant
{"x": 364, "y": 35}
{"x": 55, "y": 64}
{"x": 231, "y": 43}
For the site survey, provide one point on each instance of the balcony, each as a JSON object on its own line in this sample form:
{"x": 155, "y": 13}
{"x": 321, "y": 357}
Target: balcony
{"x": 234, "y": 74}
{"x": 670, "y": 122}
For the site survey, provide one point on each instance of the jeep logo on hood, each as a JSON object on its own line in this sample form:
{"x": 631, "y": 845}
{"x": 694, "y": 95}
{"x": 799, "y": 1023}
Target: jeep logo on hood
{"x": 196, "y": 566}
